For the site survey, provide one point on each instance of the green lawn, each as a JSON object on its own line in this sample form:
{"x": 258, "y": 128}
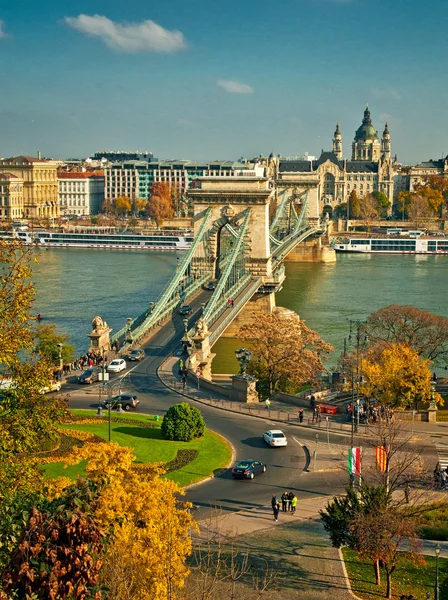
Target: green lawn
{"x": 149, "y": 446}
{"x": 409, "y": 577}
{"x": 434, "y": 524}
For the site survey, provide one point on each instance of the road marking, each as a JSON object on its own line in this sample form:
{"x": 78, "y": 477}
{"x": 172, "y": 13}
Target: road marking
{"x": 296, "y": 440}
{"x": 442, "y": 453}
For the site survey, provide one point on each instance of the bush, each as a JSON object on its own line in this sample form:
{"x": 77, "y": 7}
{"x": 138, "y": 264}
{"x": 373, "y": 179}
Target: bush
{"x": 183, "y": 423}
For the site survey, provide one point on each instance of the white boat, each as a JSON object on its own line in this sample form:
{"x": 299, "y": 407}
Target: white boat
{"x": 389, "y": 245}
{"x": 159, "y": 240}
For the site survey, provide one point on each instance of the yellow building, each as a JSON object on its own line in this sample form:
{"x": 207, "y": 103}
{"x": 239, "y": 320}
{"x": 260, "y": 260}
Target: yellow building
{"x": 40, "y": 184}
{"x": 11, "y": 197}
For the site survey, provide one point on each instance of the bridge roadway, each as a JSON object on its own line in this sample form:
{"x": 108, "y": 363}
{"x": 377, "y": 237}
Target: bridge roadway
{"x": 285, "y": 465}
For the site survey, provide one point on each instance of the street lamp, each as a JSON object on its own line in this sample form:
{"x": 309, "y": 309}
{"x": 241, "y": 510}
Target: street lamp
{"x": 151, "y": 307}
{"x": 436, "y": 590}
{"x": 243, "y": 356}
{"x": 129, "y": 337}
{"x": 432, "y": 403}
{"x": 59, "y": 354}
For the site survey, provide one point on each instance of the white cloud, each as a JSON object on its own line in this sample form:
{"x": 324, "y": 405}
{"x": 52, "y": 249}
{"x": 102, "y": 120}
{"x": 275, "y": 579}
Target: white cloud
{"x": 385, "y": 94}
{"x": 146, "y": 36}
{"x": 234, "y": 87}
{"x": 3, "y": 33}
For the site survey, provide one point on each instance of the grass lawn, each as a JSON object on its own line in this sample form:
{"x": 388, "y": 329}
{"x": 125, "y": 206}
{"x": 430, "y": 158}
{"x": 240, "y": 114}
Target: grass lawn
{"x": 149, "y": 446}
{"x": 434, "y": 524}
{"x": 408, "y": 578}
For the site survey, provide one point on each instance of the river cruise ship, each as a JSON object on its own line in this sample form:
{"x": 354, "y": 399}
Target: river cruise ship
{"x": 388, "y": 245}
{"x": 159, "y": 240}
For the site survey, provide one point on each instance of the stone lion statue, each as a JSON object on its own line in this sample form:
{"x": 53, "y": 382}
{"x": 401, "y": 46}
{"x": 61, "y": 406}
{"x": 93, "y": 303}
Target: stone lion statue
{"x": 201, "y": 327}
{"x": 97, "y": 324}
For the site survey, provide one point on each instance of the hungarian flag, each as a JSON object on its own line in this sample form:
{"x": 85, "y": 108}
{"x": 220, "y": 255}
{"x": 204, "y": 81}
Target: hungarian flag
{"x": 354, "y": 461}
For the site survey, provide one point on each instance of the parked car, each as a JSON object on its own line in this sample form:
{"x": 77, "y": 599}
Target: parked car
{"x": 136, "y": 355}
{"x": 247, "y": 469}
{"x": 185, "y": 310}
{"x": 127, "y": 401}
{"x": 90, "y": 375}
{"x": 275, "y": 437}
{"x": 117, "y": 365}
{"x": 53, "y": 386}
{"x": 211, "y": 285}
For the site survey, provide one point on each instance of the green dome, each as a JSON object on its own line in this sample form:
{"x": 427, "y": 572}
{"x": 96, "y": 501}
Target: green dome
{"x": 367, "y": 131}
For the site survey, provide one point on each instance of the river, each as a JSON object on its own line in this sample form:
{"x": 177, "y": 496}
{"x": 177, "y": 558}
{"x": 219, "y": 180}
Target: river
{"x": 74, "y": 285}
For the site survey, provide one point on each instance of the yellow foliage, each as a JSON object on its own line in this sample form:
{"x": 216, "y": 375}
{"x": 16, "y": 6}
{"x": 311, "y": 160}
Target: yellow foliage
{"x": 398, "y": 377}
{"x": 54, "y": 488}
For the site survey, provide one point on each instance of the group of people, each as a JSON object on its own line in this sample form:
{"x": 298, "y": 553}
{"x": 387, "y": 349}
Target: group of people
{"x": 370, "y": 414}
{"x": 440, "y": 477}
{"x": 230, "y": 303}
{"x": 85, "y": 361}
{"x": 288, "y": 503}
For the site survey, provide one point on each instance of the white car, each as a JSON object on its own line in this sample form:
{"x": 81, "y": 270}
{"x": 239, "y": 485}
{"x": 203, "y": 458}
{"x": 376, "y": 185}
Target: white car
{"x": 116, "y": 366}
{"x": 53, "y": 386}
{"x": 275, "y": 437}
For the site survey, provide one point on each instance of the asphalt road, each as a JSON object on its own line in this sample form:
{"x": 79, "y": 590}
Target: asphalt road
{"x": 285, "y": 466}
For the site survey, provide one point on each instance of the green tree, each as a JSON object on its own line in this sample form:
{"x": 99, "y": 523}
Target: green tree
{"x": 47, "y": 339}
{"x": 340, "y": 210}
{"x": 404, "y": 201}
{"x": 183, "y": 422}
{"x": 383, "y": 203}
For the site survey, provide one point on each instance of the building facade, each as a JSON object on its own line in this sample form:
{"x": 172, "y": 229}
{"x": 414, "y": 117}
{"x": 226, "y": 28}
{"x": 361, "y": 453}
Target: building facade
{"x": 81, "y": 193}
{"x": 135, "y": 178}
{"x": 370, "y": 169}
{"x": 11, "y": 197}
{"x": 418, "y": 173}
{"x": 40, "y": 184}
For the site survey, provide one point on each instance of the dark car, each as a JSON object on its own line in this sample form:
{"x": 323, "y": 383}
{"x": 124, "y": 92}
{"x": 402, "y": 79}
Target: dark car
{"x": 247, "y": 469}
{"x": 211, "y": 285}
{"x": 127, "y": 401}
{"x": 136, "y": 355}
{"x": 185, "y": 310}
{"x": 90, "y": 375}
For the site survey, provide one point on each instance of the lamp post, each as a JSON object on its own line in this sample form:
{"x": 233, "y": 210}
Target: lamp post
{"x": 129, "y": 338}
{"x": 432, "y": 403}
{"x": 243, "y": 356}
{"x": 185, "y": 341}
{"x": 436, "y": 589}
{"x": 59, "y": 355}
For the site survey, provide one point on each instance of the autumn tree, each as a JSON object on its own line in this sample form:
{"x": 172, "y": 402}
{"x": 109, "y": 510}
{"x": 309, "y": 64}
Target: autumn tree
{"x": 108, "y": 205}
{"x": 426, "y": 333}
{"x": 403, "y": 202}
{"x": 122, "y": 205}
{"x": 419, "y": 209}
{"x": 160, "y": 205}
{"x": 433, "y": 197}
{"x": 369, "y": 211}
{"x": 138, "y": 205}
{"x": 439, "y": 183}
{"x": 353, "y": 205}
{"x": 398, "y": 378}
{"x": 286, "y": 353}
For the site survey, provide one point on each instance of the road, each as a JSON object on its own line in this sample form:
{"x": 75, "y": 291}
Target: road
{"x": 285, "y": 466}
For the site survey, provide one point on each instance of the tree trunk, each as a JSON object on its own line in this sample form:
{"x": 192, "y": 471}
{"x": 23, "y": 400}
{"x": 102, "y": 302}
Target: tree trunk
{"x": 376, "y": 568}
{"x": 389, "y": 580}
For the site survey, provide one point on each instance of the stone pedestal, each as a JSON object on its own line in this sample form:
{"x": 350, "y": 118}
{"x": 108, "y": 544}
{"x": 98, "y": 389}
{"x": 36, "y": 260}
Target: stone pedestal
{"x": 432, "y": 415}
{"x": 243, "y": 389}
{"x": 99, "y": 336}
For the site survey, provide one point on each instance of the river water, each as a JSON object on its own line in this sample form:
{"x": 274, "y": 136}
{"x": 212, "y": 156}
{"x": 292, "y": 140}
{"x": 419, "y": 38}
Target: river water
{"x": 74, "y": 285}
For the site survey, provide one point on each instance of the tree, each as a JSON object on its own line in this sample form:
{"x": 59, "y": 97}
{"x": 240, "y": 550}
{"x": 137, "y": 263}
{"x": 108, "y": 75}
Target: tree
{"x": 440, "y": 183}
{"x": 399, "y": 378}
{"x": 48, "y": 337}
{"x": 108, "y": 205}
{"x": 419, "y": 209}
{"x": 353, "y": 205}
{"x": 383, "y": 203}
{"x": 340, "y": 210}
{"x": 122, "y": 205}
{"x": 433, "y": 197}
{"x": 368, "y": 210}
{"x": 286, "y": 353}
{"x": 426, "y": 333}
{"x": 404, "y": 201}
{"x": 160, "y": 205}
{"x": 139, "y": 205}
{"x": 183, "y": 422}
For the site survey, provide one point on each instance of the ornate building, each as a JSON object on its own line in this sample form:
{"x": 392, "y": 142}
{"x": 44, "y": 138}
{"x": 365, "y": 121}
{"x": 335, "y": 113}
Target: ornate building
{"x": 11, "y": 197}
{"x": 370, "y": 169}
{"x": 40, "y": 184}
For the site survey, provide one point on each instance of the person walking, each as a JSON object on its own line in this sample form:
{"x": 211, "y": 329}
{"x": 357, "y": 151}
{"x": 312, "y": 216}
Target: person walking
{"x": 293, "y": 503}
{"x": 290, "y": 497}
{"x": 301, "y": 415}
{"x": 285, "y": 501}
{"x": 275, "y": 506}
{"x": 268, "y": 403}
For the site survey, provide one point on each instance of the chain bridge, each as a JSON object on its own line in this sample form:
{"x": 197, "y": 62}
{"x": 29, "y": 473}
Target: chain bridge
{"x": 242, "y": 234}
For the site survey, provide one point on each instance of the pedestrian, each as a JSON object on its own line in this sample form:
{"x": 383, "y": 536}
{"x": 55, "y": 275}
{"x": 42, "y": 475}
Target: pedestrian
{"x": 181, "y": 366}
{"x": 268, "y": 403}
{"x": 312, "y": 402}
{"x": 293, "y": 503}
{"x": 285, "y": 501}
{"x": 442, "y": 479}
{"x": 290, "y": 497}
{"x": 232, "y": 303}
{"x": 275, "y": 506}
{"x": 229, "y": 302}
{"x": 437, "y": 470}
{"x": 301, "y": 415}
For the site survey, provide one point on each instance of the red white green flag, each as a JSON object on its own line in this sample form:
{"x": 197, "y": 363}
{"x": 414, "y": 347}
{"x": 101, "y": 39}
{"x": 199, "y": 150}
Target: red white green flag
{"x": 354, "y": 461}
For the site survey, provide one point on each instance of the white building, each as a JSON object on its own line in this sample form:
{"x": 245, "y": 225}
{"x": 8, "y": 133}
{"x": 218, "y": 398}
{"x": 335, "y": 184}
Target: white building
{"x": 80, "y": 193}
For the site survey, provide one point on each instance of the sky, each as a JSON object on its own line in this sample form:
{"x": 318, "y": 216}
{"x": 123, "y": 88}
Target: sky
{"x": 206, "y": 80}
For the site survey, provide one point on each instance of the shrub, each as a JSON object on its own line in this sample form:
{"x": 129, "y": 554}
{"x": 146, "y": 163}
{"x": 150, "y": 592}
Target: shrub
{"x": 183, "y": 423}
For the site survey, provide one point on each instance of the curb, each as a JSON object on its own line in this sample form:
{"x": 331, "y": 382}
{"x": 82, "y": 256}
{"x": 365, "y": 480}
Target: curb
{"x": 209, "y": 477}
{"x": 347, "y": 579}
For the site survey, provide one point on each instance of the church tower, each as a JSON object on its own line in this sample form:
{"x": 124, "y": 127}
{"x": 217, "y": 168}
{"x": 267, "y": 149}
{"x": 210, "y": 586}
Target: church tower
{"x": 385, "y": 143}
{"x": 337, "y": 143}
{"x": 366, "y": 145}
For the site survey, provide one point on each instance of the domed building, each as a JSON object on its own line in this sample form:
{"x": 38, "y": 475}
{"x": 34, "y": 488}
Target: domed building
{"x": 366, "y": 145}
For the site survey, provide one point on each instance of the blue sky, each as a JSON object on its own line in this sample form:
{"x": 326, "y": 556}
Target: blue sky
{"x": 208, "y": 80}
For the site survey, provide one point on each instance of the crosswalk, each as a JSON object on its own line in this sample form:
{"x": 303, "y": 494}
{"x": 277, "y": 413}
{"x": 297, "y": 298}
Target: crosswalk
{"x": 442, "y": 453}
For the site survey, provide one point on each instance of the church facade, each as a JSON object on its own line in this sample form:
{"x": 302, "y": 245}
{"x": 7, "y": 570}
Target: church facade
{"x": 370, "y": 169}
